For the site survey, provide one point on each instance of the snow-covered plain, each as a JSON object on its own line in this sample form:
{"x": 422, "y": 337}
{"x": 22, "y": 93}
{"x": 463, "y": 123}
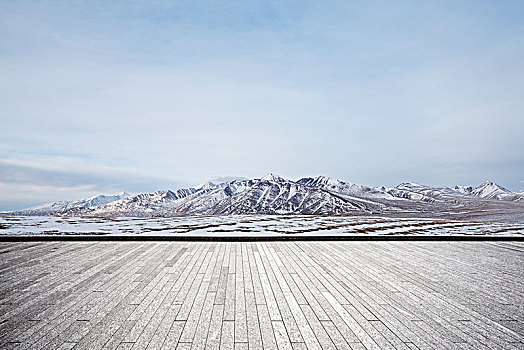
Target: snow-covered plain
{"x": 249, "y": 225}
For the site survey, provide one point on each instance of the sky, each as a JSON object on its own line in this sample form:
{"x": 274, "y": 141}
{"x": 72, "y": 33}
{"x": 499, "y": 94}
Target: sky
{"x": 102, "y": 97}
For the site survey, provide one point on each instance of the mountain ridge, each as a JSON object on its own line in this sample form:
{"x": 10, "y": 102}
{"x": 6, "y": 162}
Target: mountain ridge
{"x": 62, "y": 206}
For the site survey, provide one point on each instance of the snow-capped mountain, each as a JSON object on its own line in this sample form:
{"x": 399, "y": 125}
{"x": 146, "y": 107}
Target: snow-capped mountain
{"x": 67, "y": 206}
{"x": 270, "y": 194}
{"x": 273, "y": 194}
{"x": 488, "y": 190}
{"x": 418, "y": 192}
{"x": 491, "y": 190}
{"x": 273, "y": 177}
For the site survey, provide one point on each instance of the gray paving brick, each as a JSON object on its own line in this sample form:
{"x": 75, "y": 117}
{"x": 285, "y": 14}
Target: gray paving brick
{"x": 285, "y": 295}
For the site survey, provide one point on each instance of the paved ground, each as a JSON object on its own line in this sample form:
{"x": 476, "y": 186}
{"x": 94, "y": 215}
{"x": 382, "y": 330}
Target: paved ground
{"x": 285, "y": 295}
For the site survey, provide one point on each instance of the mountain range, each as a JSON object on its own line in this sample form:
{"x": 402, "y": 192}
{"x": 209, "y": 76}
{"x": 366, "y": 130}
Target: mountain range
{"x": 320, "y": 195}
{"x": 62, "y": 207}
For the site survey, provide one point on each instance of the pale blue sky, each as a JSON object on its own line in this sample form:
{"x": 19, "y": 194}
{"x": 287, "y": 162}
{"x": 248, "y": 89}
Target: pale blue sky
{"x": 100, "y": 97}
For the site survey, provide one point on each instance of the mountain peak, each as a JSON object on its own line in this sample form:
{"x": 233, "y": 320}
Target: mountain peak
{"x": 273, "y": 177}
{"x": 463, "y": 189}
{"x": 409, "y": 184}
{"x": 491, "y": 186}
{"x": 326, "y": 180}
{"x": 105, "y": 197}
{"x": 489, "y": 183}
{"x": 490, "y": 189}
{"x": 206, "y": 186}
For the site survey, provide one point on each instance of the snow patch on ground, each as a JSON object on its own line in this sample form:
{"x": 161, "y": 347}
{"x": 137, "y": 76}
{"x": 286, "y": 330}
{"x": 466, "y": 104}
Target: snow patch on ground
{"x": 249, "y": 225}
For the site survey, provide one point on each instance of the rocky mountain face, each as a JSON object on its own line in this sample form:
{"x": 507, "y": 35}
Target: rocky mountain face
{"x": 320, "y": 195}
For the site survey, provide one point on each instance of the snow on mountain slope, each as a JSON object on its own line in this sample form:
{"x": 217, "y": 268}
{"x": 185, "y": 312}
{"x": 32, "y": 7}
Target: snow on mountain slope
{"x": 144, "y": 204}
{"x": 491, "y": 190}
{"x": 463, "y": 189}
{"x": 273, "y": 177}
{"x": 343, "y": 188}
{"x": 206, "y": 186}
{"x": 418, "y": 192}
{"x": 64, "y": 206}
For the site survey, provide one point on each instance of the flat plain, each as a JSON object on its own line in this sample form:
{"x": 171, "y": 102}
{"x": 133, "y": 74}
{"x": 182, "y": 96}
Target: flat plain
{"x": 262, "y": 295}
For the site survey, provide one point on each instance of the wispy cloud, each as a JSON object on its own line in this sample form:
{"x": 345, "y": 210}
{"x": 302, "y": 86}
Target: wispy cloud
{"x": 61, "y": 178}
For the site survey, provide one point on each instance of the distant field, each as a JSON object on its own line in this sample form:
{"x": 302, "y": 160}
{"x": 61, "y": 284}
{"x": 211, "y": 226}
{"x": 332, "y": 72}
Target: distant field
{"x": 247, "y": 225}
